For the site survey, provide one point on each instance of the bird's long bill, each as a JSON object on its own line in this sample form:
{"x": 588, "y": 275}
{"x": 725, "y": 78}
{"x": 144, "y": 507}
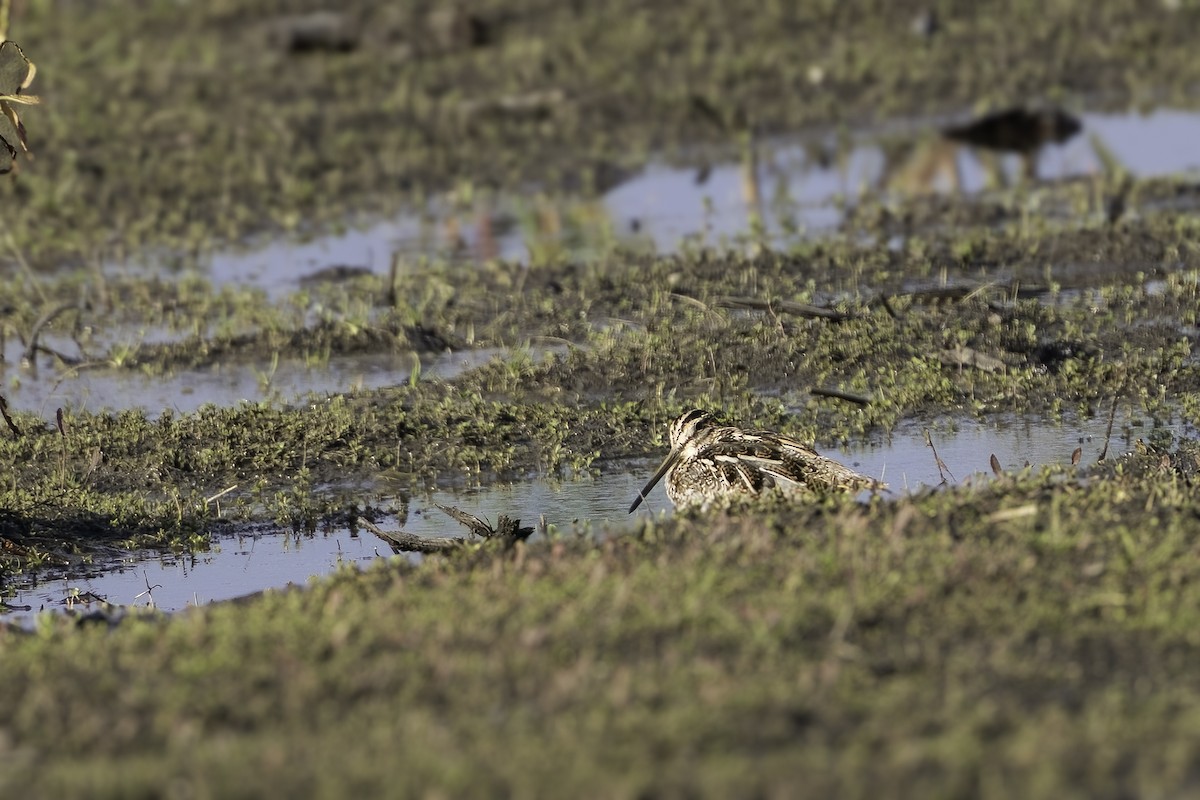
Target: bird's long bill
{"x": 667, "y": 463}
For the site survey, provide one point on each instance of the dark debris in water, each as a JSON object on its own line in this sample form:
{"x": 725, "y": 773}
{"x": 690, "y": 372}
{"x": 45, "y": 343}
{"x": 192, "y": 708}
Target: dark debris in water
{"x": 507, "y": 530}
{"x": 1017, "y": 130}
{"x": 405, "y": 542}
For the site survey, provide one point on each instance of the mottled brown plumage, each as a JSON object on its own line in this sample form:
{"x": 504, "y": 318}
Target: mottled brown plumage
{"x": 709, "y": 461}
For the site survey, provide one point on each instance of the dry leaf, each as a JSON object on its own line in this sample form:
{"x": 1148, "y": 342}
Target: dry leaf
{"x": 16, "y": 74}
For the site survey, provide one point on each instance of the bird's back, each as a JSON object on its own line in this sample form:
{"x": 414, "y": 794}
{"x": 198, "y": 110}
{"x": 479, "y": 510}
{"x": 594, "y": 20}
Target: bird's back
{"x": 732, "y": 461}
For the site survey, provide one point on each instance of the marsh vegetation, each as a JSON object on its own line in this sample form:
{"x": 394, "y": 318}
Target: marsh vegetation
{"x": 1029, "y": 632}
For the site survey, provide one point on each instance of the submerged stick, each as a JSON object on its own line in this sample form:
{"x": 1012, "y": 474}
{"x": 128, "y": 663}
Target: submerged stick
{"x": 405, "y": 542}
{"x": 506, "y": 528}
{"x": 838, "y": 394}
{"x": 943, "y": 470}
{"x": 1112, "y": 416}
{"x": 32, "y": 347}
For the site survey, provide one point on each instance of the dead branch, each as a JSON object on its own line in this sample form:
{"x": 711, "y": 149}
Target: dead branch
{"x": 782, "y": 307}
{"x": 404, "y": 542}
{"x": 31, "y": 347}
{"x": 838, "y": 394}
{"x": 506, "y": 529}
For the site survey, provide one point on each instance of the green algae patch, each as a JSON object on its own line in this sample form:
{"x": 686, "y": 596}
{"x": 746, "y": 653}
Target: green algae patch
{"x": 1034, "y": 634}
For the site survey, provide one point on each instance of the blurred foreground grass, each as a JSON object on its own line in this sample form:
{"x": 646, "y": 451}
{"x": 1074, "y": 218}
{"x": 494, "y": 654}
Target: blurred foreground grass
{"x": 1030, "y": 636}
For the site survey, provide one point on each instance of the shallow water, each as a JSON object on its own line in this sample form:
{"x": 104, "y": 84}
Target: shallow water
{"x": 794, "y": 187}
{"x": 801, "y": 185}
{"x": 250, "y": 563}
{"x": 907, "y": 463}
{"x": 242, "y": 565}
{"x": 285, "y": 381}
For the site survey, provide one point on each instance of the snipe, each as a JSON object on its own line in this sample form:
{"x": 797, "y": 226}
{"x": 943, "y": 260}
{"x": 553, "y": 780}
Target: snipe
{"x": 710, "y": 461}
